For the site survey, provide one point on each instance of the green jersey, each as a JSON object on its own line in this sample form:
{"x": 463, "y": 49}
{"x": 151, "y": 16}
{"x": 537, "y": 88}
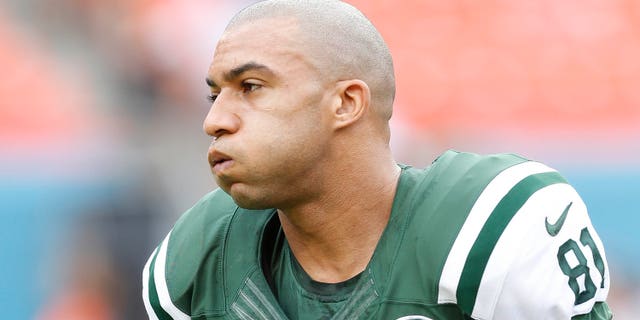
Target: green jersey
{"x": 470, "y": 237}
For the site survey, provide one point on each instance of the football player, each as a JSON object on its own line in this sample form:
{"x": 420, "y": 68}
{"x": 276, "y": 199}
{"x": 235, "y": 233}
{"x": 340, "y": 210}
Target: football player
{"x": 315, "y": 220}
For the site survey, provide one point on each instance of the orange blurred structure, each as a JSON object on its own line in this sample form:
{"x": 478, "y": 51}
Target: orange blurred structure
{"x": 78, "y": 306}
{"x": 38, "y": 106}
{"x": 547, "y": 70}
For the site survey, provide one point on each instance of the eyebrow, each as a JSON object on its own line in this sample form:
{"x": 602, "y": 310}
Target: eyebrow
{"x": 238, "y": 71}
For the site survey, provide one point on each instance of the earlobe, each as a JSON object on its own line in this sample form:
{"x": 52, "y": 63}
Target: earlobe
{"x": 355, "y": 97}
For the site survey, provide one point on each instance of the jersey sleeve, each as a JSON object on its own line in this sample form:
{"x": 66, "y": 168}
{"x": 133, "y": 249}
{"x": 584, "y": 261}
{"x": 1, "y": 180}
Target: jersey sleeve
{"x": 155, "y": 291}
{"x": 174, "y": 266}
{"x": 548, "y": 262}
{"x": 527, "y": 250}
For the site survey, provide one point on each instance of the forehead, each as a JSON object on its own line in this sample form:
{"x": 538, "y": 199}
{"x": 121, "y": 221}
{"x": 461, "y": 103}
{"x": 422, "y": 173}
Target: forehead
{"x": 275, "y": 43}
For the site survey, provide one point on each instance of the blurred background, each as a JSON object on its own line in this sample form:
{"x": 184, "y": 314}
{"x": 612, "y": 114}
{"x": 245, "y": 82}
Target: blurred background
{"x": 102, "y": 103}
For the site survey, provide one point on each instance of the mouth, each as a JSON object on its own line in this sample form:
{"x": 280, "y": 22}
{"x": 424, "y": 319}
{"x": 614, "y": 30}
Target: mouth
{"x": 219, "y": 161}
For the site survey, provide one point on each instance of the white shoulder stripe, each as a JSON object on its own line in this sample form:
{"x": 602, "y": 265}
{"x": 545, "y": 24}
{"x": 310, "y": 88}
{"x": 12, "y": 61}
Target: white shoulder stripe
{"x": 161, "y": 284}
{"x": 482, "y": 208}
{"x": 145, "y": 288}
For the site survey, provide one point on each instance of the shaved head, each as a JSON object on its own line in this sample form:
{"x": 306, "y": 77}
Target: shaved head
{"x": 341, "y": 41}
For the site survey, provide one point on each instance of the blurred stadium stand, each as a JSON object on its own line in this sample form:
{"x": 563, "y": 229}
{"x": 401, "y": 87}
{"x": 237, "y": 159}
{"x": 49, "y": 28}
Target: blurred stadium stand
{"x": 101, "y": 106}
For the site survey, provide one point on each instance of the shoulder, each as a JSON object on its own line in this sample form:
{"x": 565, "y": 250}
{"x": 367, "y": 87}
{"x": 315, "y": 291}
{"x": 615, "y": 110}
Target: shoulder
{"x": 199, "y": 231}
{"x": 449, "y": 201}
{"x": 468, "y": 183}
{"x": 196, "y": 241}
{"x": 456, "y": 172}
{"x": 442, "y": 198}
{"x": 206, "y": 220}
{"x": 456, "y": 159}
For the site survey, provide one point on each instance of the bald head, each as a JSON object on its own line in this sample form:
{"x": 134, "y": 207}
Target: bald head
{"x": 341, "y": 41}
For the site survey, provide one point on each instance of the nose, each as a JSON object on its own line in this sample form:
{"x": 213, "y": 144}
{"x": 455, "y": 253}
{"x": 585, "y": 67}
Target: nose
{"x": 221, "y": 119}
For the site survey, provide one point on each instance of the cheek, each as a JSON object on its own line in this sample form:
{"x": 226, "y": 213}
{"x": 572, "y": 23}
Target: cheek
{"x": 290, "y": 146}
{"x": 286, "y": 133}
{"x": 293, "y": 149}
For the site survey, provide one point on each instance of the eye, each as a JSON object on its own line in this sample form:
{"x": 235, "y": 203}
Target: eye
{"x": 250, "y": 87}
{"x": 212, "y": 97}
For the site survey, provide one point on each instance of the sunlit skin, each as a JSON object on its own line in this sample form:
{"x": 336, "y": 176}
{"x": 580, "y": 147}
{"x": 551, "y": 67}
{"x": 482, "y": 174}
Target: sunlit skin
{"x": 289, "y": 137}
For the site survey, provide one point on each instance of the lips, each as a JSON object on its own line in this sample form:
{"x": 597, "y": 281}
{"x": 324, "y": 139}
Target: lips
{"x": 219, "y": 161}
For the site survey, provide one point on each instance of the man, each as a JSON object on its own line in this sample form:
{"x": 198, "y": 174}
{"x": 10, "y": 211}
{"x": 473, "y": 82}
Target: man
{"x": 314, "y": 219}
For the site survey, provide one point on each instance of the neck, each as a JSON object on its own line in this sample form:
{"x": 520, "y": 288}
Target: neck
{"x": 334, "y": 237}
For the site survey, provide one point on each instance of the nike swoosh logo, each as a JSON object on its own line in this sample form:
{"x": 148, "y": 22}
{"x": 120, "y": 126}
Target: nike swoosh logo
{"x": 554, "y": 229}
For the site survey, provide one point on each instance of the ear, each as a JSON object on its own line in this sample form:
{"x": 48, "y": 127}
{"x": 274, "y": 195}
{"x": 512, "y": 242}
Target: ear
{"x": 353, "y": 102}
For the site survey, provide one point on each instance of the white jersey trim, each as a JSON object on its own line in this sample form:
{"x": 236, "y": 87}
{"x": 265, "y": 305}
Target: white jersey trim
{"x": 482, "y": 208}
{"x": 161, "y": 283}
{"x": 145, "y": 288}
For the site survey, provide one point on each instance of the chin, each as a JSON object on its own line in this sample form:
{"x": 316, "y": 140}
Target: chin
{"x": 251, "y": 204}
{"x": 247, "y": 200}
